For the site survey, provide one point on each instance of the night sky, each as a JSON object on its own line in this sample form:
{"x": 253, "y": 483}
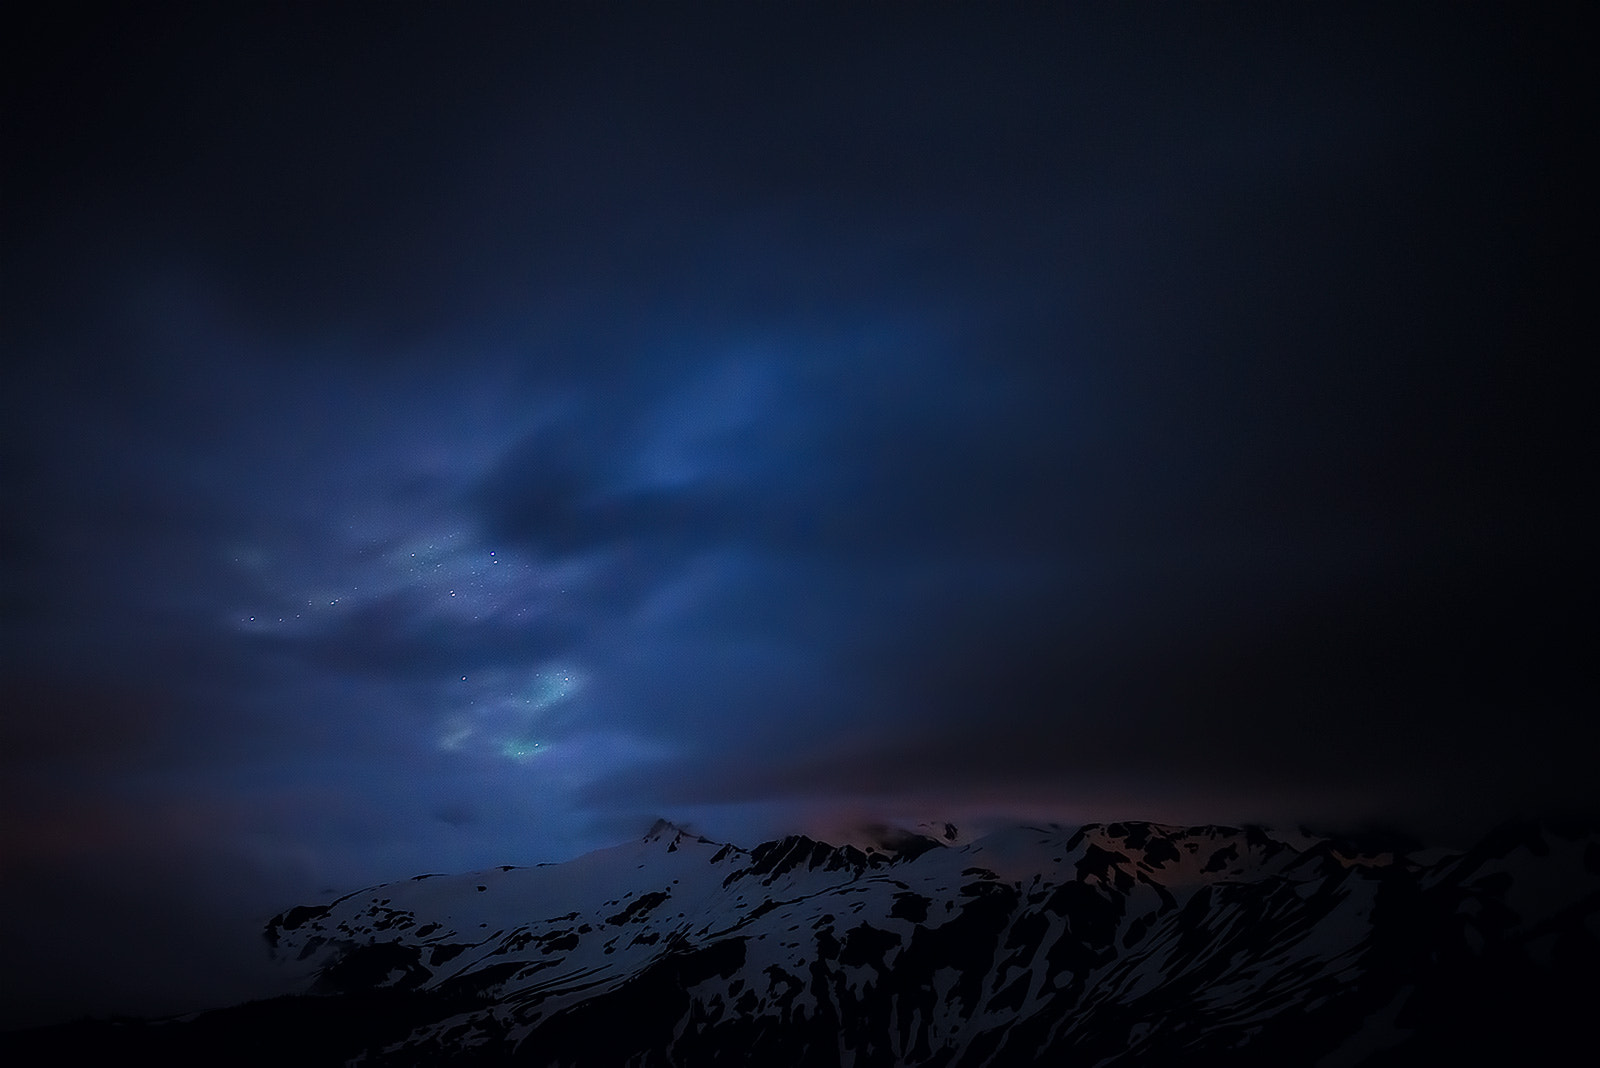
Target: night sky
{"x": 443, "y": 437}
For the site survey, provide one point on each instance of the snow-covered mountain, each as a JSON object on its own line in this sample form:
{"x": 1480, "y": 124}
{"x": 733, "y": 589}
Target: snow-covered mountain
{"x": 1117, "y": 944}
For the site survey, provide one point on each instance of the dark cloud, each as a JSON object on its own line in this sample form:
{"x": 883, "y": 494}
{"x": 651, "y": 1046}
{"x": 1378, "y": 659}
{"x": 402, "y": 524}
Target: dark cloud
{"x": 448, "y": 440}
{"x": 399, "y": 638}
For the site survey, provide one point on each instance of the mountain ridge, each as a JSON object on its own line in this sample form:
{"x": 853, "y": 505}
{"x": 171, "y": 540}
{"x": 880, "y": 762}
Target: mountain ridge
{"x": 1110, "y": 943}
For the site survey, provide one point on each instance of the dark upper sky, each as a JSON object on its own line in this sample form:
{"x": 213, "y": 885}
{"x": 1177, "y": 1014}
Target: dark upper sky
{"x": 436, "y": 437}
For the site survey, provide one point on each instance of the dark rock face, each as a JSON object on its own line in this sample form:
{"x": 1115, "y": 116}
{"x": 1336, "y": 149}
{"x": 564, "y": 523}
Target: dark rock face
{"x": 1124, "y": 944}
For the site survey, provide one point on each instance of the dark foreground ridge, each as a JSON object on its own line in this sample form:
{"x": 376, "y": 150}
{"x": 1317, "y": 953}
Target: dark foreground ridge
{"x": 1119, "y": 944}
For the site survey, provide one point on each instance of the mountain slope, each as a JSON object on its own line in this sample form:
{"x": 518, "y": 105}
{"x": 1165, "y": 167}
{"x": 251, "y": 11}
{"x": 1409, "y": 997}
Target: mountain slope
{"x": 1127, "y": 943}
{"x": 1110, "y": 944}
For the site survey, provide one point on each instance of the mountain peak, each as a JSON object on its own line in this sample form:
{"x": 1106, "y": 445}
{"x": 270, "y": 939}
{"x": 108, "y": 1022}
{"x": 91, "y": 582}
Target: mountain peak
{"x": 660, "y": 828}
{"x": 664, "y": 830}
